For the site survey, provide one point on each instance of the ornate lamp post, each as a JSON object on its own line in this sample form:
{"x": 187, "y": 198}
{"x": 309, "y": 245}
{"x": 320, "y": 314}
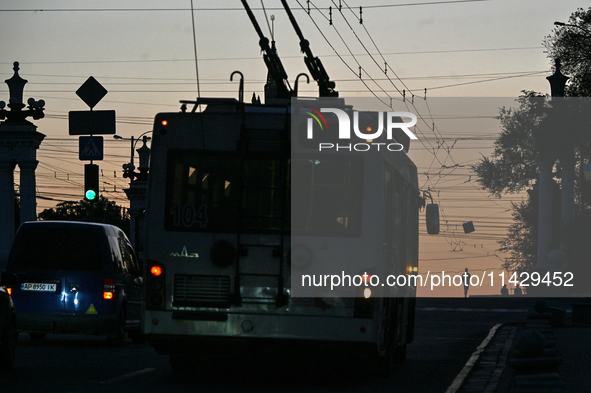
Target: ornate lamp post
{"x": 548, "y": 259}
{"x": 558, "y": 83}
{"x": 19, "y": 141}
{"x": 144, "y": 155}
{"x": 566, "y": 153}
{"x": 546, "y": 145}
{"x": 16, "y": 86}
{"x": 138, "y": 187}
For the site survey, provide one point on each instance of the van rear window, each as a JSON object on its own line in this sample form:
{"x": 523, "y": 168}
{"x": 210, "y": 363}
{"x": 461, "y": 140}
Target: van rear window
{"x": 59, "y": 248}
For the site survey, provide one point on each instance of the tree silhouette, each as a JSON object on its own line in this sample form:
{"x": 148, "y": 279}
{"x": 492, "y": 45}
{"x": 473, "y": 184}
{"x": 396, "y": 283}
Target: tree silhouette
{"x": 512, "y": 167}
{"x": 573, "y": 46}
{"x": 100, "y": 210}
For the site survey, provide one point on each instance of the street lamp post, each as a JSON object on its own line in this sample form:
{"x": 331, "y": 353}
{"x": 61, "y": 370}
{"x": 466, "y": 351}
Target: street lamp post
{"x": 144, "y": 155}
{"x": 571, "y": 25}
{"x": 587, "y": 35}
{"x": 138, "y": 187}
{"x": 545, "y": 139}
{"x": 566, "y": 154}
{"x": 545, "y": 147}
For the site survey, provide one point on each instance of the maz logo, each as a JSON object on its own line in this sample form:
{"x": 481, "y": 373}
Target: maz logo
{"x": 184, "y": 253}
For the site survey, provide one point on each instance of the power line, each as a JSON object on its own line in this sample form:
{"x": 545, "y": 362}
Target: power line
{"x": 488, "y": 80}
{"x": 220, "y": 9}
{"x": 284, "y": 57}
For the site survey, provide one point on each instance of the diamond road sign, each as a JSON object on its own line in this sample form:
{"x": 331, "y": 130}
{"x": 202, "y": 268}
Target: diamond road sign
{"x": 90, "y": 148}
{"x": 91, "y": 92}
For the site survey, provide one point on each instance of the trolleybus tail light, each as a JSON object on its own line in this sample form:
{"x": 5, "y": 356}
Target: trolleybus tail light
{"x": 162, "y": 125}
{"x": 9, "y": 290}
{"x": 156, "y": 270}
{"x": 109, "y": 288}
{"x": 155, "y": 285}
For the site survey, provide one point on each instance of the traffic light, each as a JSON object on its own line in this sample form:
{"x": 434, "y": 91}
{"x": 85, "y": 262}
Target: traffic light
{"x": 91, "y": 181}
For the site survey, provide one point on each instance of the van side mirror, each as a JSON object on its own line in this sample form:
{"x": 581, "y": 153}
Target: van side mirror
{"x": 8, "y": 279}
{"x": 432, "y": 218}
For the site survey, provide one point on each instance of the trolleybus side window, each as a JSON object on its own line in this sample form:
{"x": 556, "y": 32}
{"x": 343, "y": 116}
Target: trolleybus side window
{"x": 329, "y": 192}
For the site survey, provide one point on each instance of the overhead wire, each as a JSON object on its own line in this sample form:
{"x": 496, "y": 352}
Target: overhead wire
{"x": 218, "y": 8}
{"x": 436, "y": 132}
{"x": 347, "y": 65}
{"x": 450, "y": 234}
{"x": 195, "y": 50}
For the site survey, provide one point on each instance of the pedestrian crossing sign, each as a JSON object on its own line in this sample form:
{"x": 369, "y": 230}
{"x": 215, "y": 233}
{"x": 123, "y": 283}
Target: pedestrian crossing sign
{"x": 91, "y": 148}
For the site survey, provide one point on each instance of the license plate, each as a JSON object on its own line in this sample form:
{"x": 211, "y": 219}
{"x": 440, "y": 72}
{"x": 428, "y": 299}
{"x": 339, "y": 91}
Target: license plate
{"x": 38, "y": 287}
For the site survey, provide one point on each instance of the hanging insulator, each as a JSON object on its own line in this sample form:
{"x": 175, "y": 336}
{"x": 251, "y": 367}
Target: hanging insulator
{"x": 360, "y": 15}
{"x": 432, "y": 218}
{"x": 425, "y": 94}
{"x": 330, "y": 16}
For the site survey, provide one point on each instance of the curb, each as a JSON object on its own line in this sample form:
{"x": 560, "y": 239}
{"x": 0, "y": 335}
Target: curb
{"x": 483, "y": 370}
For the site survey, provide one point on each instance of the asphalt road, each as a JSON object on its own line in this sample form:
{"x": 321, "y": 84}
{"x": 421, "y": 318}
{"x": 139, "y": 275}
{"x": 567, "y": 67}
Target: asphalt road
{"x": 447, "y": 332}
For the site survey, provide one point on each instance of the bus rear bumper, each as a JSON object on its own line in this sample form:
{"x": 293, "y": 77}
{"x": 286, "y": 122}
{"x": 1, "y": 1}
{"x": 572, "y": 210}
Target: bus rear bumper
{"x": 198, "y": 331}
{"x": 66, "y": 323}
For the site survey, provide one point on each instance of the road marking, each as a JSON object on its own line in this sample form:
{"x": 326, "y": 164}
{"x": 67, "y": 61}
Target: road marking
{"x": 459, "y": 380}
{"x": 127, "y": 376}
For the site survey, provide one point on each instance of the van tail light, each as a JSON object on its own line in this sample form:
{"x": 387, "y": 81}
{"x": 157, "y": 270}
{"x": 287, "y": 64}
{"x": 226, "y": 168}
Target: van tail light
{"x": 155, "y": 286}
{"x": 109, "y": 289}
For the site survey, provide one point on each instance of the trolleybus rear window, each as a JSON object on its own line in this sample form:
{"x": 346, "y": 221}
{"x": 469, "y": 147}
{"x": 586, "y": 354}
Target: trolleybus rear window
{"x": 222, "y": 192}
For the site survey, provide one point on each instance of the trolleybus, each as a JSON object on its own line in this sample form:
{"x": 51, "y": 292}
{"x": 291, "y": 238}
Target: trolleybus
{"x": 219, "y": 250}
